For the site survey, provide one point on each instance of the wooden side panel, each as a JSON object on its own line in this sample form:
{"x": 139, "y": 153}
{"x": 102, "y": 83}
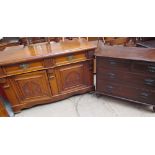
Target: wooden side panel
{"x": 53, "y": 82}
{"x": 89, "y": 68}
{"x": 9, "y": 91}
{"x": 3, "y": 112}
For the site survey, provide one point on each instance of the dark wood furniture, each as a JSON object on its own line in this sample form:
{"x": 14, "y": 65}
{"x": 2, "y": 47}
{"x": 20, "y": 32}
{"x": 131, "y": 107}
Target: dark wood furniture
{"x": 44, "y": 73}
{"x": 146, "y": 44}
{"x": 34, "y": 40}
{"x": 127, "y": 73}
{"x": 8, "y": 42}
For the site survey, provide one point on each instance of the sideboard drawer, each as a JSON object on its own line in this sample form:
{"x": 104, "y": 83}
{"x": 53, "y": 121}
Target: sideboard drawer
{"x": 144, "y": 67}
{"x": 123, "y": 65}
{"x": 24, "y": 67}
{"x": 70, "y": 58}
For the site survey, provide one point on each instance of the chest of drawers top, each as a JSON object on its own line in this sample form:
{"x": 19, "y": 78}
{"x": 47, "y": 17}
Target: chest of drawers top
{"x": 44, "y": 50}
{"x": 127, "y": 53}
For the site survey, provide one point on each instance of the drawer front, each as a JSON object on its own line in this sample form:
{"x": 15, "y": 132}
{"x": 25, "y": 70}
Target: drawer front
{"x": 109, "y": 74}
{"x": 24, "y": 67}
{"x": 70, "y": 58}
{"x": 123, "y": 91}
{"x": 130, "y": 79}
{"x": 143, "y": 67}
{"x": 124, "y": 65}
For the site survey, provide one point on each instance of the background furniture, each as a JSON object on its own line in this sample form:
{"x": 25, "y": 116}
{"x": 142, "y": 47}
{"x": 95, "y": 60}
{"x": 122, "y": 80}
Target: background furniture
{"x": 8, "y": 42}
{"x": 44, "y": 73}
{"x": 146, "y": 44}
{"x": 123, "y": 41}
{"x": 127, "y": 73}
{"x": 34, "y": 40}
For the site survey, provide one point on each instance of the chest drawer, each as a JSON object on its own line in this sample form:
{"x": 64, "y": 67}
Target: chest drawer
{"x": 118, "y": 64}
{"x": 130, "y": 93}
{"x": 130, "y": 79}
{"x": 24, "y": 67}
{"x": 144, "y": 67}
{"x": 70, "y": 58}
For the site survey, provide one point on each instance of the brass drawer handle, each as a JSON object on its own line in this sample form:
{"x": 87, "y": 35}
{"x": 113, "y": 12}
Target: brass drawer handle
{"x": 51, "y": 77}
{"x": 70, "y": 58}
{"x": 23, "y": 66}
{"x": 149, "y": 81}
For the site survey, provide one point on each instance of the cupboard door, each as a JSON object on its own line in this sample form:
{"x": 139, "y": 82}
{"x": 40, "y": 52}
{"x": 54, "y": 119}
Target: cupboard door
{"x": 32, "y": 87}
{"x": 71, "y": 76}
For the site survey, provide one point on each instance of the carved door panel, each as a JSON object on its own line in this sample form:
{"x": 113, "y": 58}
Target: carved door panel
{"x": 71, "y": 77}
{"x": 32, "y": 87}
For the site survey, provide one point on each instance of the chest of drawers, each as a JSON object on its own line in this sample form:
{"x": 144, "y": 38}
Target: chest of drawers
{"x": 127, "y": 73}
{"x": 44, "y": 73}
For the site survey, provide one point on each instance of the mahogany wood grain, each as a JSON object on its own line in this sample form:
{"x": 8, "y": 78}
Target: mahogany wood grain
{"x": 44, "y": 50}
{"x": 126, "y": 73}
{"x": 44, "y": 73}
{"x": 126, "y": 53}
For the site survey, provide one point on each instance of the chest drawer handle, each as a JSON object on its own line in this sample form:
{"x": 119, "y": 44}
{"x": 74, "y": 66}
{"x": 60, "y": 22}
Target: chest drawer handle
{"x": 112, "y": 62}
{"x": 111, "y": 75}
{"x": 23, "y": 66}
{"x": 151, "y": 69}
{"x": 149, "y": 81}
{"x": 109, "y": 88}
{"x": 70, "y": 58}
{"x": 144, "y": 95}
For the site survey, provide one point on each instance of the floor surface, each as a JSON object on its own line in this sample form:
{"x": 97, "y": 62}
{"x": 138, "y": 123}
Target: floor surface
{"x": 89, "y": 105}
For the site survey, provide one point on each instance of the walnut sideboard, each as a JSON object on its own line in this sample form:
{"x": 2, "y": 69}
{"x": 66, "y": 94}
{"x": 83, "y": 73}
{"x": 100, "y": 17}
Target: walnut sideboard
{"x": 126, "y": 73}
{"x": 44, "y": 73}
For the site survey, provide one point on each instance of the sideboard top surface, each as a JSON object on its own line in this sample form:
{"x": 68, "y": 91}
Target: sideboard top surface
{"x": 129, "y": 53}
{"x": 43, "y": 50}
